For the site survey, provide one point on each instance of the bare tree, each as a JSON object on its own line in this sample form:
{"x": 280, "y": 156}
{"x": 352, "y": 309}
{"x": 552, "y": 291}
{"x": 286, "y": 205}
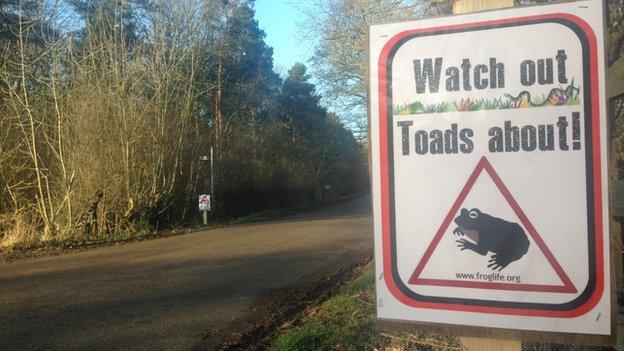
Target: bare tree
{"x": 340, "y": 27}
{"x": 107, "y": 105}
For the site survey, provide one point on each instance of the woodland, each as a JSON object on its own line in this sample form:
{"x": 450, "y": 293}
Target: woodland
{"x": 109, "y": 108}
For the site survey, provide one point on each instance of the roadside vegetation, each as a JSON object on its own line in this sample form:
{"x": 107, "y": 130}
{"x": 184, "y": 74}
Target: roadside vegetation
{"x": 58, "y": 246}
{"x": 346, "y": 322}
{"x": 107, "y": 107}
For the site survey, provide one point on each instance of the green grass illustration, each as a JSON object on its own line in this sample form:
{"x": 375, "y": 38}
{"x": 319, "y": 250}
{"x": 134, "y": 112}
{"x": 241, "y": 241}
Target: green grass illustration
{"x": 556, "y": 97}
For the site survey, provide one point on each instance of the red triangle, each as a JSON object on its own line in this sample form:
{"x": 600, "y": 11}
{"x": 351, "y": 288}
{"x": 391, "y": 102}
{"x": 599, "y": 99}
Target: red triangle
{"x": 484, "y": 164}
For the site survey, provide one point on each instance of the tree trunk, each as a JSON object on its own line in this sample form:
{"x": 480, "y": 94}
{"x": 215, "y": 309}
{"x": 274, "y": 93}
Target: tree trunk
{"x": 254, "y": 136}
{"x": 218, "y": 111}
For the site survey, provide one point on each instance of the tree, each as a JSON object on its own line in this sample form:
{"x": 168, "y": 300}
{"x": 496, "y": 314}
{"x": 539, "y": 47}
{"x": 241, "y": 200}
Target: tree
{"x": 320, "y": 156}
{"x": 28, "y": 13}
{"x": 251, "y": 86}
{"x": 340, "y": 27}
{"x": 114, "y": 17}
{"x": 106, "y": 112}
{"x": 298, "y": 101}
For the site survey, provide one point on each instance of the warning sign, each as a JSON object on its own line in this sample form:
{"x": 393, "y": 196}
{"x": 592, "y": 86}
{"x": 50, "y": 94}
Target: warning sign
{"x": 485, "y": 234}
{"x": 204, "y": 203}
{"x": 488, "y": 139}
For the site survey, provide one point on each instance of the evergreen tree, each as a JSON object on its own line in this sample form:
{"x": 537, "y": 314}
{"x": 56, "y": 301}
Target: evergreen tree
{"x": 104, "y": 123}
{"x": 298, "y": 103}
{"x": 114, "y": 17}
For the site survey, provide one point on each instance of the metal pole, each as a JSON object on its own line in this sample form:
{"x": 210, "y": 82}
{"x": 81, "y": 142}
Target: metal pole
{"x": 211, "y": 178}
{"x": 205, "y": 158}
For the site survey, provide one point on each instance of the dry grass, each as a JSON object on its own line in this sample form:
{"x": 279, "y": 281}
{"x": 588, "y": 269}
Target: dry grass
{"x": 17, "y": 230}
{"x": 347, "y": 322}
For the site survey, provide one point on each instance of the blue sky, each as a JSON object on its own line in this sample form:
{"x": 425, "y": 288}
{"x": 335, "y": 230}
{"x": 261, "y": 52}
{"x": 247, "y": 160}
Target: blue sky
{"x": 278, "y": 18}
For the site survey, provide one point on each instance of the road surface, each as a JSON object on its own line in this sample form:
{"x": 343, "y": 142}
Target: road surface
{"x": 166, "y": 294}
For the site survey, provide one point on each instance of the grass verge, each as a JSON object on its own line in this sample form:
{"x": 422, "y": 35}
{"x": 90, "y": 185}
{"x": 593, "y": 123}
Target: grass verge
{"x": 40, "y": 248}
{"x": 346, "y": 321}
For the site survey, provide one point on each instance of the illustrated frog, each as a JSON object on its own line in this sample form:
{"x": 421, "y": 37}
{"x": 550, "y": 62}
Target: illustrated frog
{"x": 506, "y": 240}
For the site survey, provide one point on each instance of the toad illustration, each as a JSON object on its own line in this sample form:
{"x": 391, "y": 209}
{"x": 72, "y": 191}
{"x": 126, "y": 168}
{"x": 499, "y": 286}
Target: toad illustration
{"x": 506, "y": 240}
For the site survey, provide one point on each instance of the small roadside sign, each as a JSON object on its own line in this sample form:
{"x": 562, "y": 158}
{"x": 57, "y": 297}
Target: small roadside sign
{"x": 204, "y": 203}
{"x": 489, "y": 169}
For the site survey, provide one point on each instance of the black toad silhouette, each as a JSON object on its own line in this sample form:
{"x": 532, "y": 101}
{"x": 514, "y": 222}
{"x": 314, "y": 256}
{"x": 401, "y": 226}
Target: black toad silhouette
{"x": 506, "y": 240}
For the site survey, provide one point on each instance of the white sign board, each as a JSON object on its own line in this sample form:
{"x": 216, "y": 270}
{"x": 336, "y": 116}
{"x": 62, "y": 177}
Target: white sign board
{"x": 489, "y": 163}
{"x": 204, "y": 203}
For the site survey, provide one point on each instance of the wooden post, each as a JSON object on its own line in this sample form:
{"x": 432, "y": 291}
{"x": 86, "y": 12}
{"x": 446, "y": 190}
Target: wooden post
{"x": 465, "y": 6}
{"x": 484, "y": 344}
{"x": 615, "y": 79}
{"x": 615, "y": 89}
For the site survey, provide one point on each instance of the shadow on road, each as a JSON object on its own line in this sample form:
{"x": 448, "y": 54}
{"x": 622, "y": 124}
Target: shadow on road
{"x": 171, "y": 293}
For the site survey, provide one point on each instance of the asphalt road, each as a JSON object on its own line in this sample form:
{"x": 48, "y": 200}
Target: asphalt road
{"x": 166, "y": 294}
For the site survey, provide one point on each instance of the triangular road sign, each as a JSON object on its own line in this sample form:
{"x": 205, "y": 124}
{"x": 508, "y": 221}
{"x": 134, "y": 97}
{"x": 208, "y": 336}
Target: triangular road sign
{"x": 484, "y": 164}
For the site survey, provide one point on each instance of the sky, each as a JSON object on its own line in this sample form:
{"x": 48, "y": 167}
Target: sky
{"x": 278, "y": 18}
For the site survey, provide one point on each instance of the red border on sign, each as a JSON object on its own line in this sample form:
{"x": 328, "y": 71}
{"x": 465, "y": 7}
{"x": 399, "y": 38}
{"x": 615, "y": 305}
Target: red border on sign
{"x": 596, "y": 167}
{"x": 484, "y": 164}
